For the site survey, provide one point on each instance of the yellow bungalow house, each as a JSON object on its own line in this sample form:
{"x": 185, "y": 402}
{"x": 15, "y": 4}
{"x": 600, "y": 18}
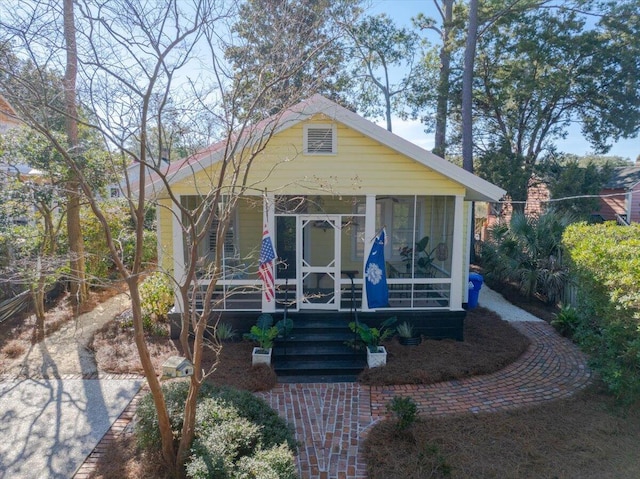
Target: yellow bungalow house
{"x": 324, "y": 185}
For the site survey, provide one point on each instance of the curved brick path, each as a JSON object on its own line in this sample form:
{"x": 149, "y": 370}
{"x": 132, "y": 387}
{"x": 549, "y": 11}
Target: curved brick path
{"x": 331, "y": 419}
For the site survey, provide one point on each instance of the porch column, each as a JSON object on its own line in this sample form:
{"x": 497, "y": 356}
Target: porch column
{"x": 268, "y": 219}
{"x": 369, "y": 234}
{"x": 457, "y": 259}
{"x": 470, "y": 228}
{"x": 178, "y": 254}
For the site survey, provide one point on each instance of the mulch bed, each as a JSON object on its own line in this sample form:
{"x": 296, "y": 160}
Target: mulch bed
{"x": 489, "y": 345}
{"x": 588, "y": 436}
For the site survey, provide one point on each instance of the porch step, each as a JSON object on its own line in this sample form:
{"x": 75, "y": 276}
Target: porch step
{"x": 320, "y": 337}
{"x": 321, "y": 367}
{"x": 311, "y": 352}
{"x": 316, "y": 351}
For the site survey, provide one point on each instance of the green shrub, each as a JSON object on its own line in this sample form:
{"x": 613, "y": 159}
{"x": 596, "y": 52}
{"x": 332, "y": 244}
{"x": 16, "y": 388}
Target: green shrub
{"x": 99, "y": 263}
{"x": 405, "y": 410}
{"x": 224, "y": 332}
{"x": 127, "y": 243}
{"x": 566, "y": 321}
{"x": 222, "y": 438}
{"x": 274, "y": 429}
{"x": 274, "y": 463}
{"x": 147, "y": 428}
{"x": 235, "y": 431}
{"x": 606, "y": 264}
{"x": 156, "y": 298}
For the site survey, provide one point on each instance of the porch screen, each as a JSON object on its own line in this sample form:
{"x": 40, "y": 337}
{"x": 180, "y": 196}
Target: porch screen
{"x": 207, "y": 247}
{"x": 420, "y": 235}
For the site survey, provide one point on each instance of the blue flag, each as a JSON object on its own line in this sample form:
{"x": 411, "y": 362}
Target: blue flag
{"x": 375, "y": 275}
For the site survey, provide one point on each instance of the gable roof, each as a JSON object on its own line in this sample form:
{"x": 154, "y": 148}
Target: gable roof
{"x": 477, "y": 189}
{"x": 624, "y": 178}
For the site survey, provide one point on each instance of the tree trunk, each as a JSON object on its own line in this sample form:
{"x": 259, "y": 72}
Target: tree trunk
{"x": 189, "y": 417}
{"x": 467, "y": 105}
{"x": 37, "y": 294}
{"x": 387, "y": 102}
{"x": 442, "y": 107}
{"x": 467, "y": 87}
{"x": 79, "y": 290}
{"x": 164, "y": 423}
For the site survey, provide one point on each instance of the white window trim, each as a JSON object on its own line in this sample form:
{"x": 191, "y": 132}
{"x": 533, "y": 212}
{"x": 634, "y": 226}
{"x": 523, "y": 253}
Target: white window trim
{"x": 334, "y": 138}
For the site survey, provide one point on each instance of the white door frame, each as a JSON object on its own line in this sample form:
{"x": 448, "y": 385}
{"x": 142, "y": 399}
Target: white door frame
{"x": 332, "y": 269}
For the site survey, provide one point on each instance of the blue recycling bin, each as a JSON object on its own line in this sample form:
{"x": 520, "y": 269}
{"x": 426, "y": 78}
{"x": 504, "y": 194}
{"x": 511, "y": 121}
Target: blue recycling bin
{"x": 475, "y": 283}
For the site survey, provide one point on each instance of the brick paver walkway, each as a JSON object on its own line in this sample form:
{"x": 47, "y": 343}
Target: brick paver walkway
{"x": 331, "y": 420}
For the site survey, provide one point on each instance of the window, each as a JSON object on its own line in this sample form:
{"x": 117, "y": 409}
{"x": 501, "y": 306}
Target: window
{"x": 229, "y": 239}
{"x": 320, "y": 139}
{"x": 207, "y": 248}
{"x": 115, "y": 193}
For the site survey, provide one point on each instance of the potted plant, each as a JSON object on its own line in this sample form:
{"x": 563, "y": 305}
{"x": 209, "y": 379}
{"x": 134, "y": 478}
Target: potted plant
{"x": 406, "y": 335}
{"x": 263, "y": 332}
{"x": 285, "y": 327}
{"x": 421, "y": 257}
{"x": 372, "y": 337}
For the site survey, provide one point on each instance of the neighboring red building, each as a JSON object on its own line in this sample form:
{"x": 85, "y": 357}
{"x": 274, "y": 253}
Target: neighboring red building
{"x": 620, "y": 198}
{"x": 619, "y": 201}
{"x": 537, "y": 197}
{"x": 8, "y": 117}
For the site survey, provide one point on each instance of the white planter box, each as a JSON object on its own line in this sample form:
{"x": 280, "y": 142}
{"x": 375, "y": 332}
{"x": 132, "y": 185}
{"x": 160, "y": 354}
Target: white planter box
{"x": 260, "y": 357}
{"x": 377, "y": 359}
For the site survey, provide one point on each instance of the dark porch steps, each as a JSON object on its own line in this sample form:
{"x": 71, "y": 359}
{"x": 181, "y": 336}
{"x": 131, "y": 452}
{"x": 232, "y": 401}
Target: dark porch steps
{"x": 315, "y": 351}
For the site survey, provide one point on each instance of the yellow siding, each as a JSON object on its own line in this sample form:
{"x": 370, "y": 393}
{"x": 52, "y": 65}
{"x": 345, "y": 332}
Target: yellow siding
{"x": 361, "y": 166}
{"x": 165, "y": 225}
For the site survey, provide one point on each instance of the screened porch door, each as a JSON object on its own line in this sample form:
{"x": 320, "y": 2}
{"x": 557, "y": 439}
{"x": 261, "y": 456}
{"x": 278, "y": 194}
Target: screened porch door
{"x": 319, "y": 261}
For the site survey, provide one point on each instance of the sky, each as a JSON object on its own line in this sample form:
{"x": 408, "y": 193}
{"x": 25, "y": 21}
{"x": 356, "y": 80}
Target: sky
{"x": 402, "y": 11}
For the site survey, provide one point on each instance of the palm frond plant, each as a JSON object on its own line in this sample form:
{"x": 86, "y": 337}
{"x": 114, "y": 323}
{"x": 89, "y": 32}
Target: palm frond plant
{"x": 566, "y": 321}
{"x": 528, "y": 252}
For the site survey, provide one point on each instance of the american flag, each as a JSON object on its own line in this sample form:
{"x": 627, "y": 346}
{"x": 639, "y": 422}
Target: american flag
{"x": 265, "y": 271}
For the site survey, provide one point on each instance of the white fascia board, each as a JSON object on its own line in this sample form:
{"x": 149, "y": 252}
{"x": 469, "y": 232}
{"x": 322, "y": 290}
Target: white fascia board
{"x": 477, "y": 188}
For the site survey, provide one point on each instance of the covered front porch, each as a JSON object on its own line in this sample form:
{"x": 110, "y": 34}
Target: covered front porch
{"x": 322, "y": 243}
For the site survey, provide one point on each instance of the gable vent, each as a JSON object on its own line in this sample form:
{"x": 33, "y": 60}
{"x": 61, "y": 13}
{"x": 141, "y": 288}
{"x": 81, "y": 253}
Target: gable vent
{"x": 320, "y": 139}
